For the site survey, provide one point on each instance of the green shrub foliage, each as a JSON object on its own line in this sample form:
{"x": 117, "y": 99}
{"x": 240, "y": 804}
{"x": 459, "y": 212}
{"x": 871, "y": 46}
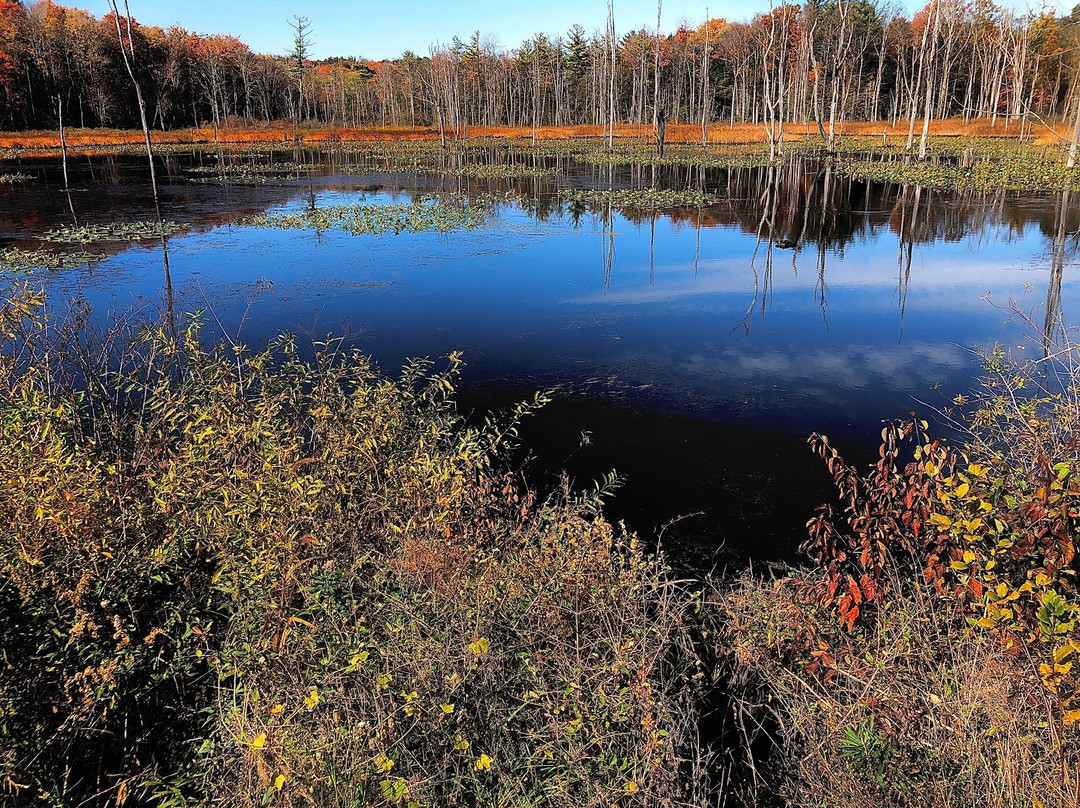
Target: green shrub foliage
{"x": 245, "y": 577}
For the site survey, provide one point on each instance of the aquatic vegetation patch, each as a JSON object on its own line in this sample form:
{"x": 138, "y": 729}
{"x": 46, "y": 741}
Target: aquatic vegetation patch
{"x": 114, "y": 231}
{"x": 492, "y": 171}
{"x": 236, "y": 178}
{"x": 428, "y": 214}
{"x": 16, "y": 261}
{"x": 1023, "y": 171}
{"x": 251, "y": 168}
{"x": 642, "y": 197}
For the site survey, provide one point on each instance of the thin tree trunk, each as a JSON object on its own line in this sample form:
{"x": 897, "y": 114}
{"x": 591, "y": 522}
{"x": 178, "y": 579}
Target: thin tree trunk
{"x": 138, "y": 92}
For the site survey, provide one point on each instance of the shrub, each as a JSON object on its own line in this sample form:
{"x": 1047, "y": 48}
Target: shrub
{"x": 931, "y": 651}
{"x": 239, "y": 577}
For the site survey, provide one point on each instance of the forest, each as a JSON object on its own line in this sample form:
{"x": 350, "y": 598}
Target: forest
{"x": 819, "y": 62}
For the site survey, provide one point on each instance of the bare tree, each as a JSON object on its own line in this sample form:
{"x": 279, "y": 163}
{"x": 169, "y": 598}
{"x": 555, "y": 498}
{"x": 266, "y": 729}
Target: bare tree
{"x": 127, "y": 50}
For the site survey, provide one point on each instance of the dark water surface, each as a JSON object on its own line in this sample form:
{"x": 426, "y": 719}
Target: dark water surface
{"x": 698, "y": 346}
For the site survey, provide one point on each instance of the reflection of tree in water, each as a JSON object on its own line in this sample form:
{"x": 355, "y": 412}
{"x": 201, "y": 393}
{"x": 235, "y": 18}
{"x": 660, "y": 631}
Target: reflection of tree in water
{"x": 1060, "y": 247}
{"x": 905, "y": 241}
{"x": 804, "y": 204}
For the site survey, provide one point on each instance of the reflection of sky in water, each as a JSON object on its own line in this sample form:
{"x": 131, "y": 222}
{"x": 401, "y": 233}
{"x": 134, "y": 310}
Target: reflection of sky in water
{"x": 679, "y": 322}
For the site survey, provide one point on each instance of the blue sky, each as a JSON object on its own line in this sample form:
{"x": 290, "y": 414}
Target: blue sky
{"x": 377, "y": 29}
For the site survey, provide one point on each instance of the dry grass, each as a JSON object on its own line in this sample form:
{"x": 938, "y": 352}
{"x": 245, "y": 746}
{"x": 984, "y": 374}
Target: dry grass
{"x": 87, "y": 141}
{"x": 925, "y": 712}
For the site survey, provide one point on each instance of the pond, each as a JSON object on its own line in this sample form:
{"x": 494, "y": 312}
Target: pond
{"x": 691, "y": 347}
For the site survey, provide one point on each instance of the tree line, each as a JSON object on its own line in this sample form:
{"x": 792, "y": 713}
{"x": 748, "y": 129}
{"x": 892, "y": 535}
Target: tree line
{"x": 817, "y": 64}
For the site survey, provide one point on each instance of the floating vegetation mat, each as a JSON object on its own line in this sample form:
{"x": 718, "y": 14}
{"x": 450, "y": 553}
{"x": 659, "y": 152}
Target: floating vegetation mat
{"x": 25, "y": 261}
{"x": 99, "y": 233}
{"x": 253, "y": 168}
{"x": 1019, "y": 173}
{"x": 11, "y": 179}
{"x": 429, "y": 214}
{"x": 642, "y": 198}
{"x": 488, "y": 171}
{"x": 237, "y": 178}
{"x": 478, "y": 171}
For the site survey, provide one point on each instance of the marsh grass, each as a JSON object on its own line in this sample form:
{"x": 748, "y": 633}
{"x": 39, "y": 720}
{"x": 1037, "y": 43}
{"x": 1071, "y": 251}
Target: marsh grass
{"x": 920, "y": 710}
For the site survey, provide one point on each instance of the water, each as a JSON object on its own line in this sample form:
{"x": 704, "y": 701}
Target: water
{"x": 697, "y": 347}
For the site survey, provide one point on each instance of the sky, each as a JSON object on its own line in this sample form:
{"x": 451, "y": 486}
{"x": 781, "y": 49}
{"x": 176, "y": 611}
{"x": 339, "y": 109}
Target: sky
{"x": 384, "y": 29}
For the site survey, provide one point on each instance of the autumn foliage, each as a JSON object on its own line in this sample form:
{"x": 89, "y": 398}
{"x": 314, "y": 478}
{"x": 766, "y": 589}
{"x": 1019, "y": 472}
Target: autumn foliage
{"x": 944, "y": 600}
{"x": 254, "y": 578}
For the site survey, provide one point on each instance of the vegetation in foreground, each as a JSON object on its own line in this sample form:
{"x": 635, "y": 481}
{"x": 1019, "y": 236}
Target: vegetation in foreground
{"x": 238, "y": 577}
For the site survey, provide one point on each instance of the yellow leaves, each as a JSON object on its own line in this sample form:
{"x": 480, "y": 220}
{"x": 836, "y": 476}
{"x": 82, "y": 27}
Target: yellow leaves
{"x": 630, "y": 787}
{"x": 357, "y": 659}
{"x": 940, "y": 520}
{"x": 461, "y": 744}
{"x": 1071, "y": 717}
{"x": 279, "y": 782}
{"x": 934, "y": 698}
{"x": 483, "y": 763}
{"x": 976, "y": 470}
{"x": 447, "y": 708}
{"x": 383, "y": 764}
{"x": 277, "y": 709}
{"x": 313, "y": 699}
{"x": 480, "y": 646}
{"x": 259, "y": 741}
{"x": 962, "y": 490}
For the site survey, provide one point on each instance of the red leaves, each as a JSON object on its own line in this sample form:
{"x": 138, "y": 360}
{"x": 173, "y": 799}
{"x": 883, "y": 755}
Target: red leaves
{"x": 882, "y": 524}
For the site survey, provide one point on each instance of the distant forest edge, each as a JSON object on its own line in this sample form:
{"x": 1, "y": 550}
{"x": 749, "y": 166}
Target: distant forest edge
{"x": 816, "y": 63}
